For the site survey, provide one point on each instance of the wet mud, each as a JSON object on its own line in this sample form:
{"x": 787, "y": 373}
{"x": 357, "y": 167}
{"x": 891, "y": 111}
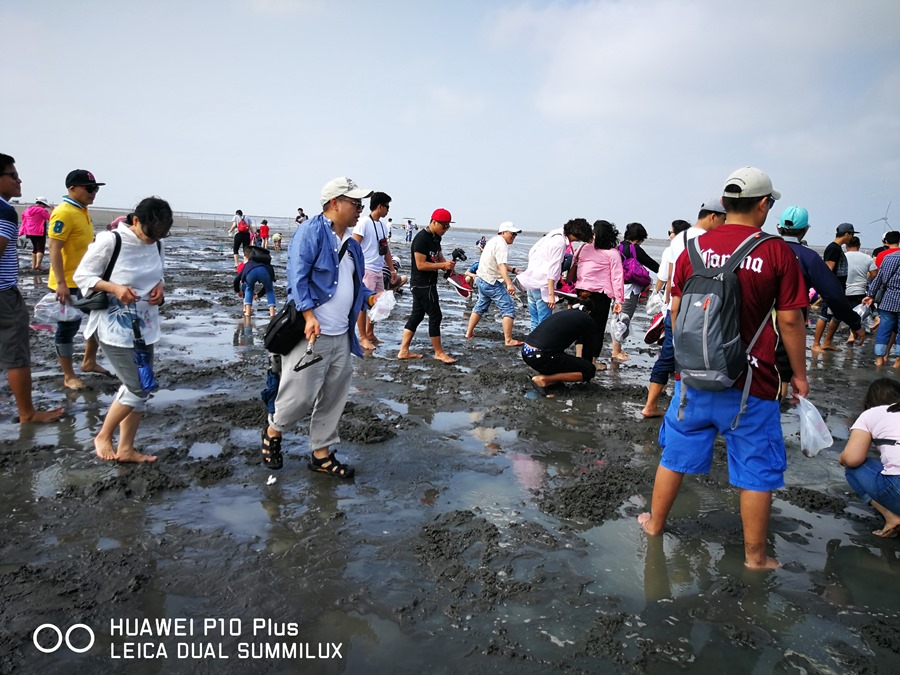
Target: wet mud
{"x": 487, "y": 529}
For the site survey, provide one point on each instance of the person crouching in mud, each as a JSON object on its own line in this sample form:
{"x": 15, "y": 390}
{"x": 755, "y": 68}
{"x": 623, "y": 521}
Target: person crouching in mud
{"x": 545, "y": 350}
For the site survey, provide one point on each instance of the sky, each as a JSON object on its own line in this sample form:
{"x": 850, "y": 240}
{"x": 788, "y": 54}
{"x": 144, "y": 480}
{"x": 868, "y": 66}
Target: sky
{"x": 535, "y": 112}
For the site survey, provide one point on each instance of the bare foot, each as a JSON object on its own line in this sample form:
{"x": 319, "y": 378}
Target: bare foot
{"x": 367, "y": 344}
{"x": 95, "y": 368}
{"x": 890, "y": 530}
{"x": 514, "y": 343}
{"x": 879, "y": 361}
{"x": 469, "y": 336}
{"x": 40, "y": 417}
{"x": 645, "y": 520}
{"x": 767, "y": 564}
{"x": 104, "y": 449}
{"x": 621, "y": 356}
{"x": 132, "y": 455}
{"x": 816, "y": 349}
{"x": 444, "y": 358}
{"x": 74, "y": 383}
{"x": 653, "y": 412}
{"x": 404, "y": 355}
{"x": 828, "y": 347}
{"x": 375, "y": 340}
{"x": 897, "y": 363}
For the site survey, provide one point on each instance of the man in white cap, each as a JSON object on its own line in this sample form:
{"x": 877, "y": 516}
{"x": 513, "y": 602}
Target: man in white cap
{"x": 494, "y": 284}
{"x": 325, "y": 271}
{"x": 769, "y": 277}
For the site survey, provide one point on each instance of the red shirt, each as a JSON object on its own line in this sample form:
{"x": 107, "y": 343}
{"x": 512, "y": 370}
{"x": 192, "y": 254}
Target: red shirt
{"x": 886, "y": 252}
{"x": 769, "y": 274}
{"x": 264, "y": 231}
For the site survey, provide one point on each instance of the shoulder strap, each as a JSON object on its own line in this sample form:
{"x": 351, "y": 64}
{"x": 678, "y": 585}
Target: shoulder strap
{"x": 745, "y": 248}
{"x": 115, "y": 256}
{"x": 343, "y": 249}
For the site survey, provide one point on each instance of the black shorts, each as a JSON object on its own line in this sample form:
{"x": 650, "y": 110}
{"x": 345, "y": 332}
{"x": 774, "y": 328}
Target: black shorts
{"x": 554, "y": 363}
{"x": 241, "y": 239}
{"x": 38, "y": 241}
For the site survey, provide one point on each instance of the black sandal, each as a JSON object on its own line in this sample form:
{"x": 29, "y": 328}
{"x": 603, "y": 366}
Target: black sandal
{"x": 271, "y": 451}
{"x": 331, "y": 466}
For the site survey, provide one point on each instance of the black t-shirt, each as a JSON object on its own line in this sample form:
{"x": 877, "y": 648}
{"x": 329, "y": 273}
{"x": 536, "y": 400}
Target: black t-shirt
{"x": 558, "y": 331}
{"x": 834, "y": 253}
{"x": 429, "y": 245}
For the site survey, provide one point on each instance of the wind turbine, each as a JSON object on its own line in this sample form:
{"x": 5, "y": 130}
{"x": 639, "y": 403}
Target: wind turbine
{"x": 884, "y": 217}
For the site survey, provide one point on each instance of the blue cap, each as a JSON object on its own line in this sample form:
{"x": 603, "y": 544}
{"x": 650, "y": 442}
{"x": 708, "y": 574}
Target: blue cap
{"x": 794, "y": 218}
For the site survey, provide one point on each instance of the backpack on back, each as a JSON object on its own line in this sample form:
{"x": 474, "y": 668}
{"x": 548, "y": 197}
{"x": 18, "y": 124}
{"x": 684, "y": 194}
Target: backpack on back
{"x": 709, "y": 352}
{"x": 633, "y": 272}
{"x": 243, "y": 226}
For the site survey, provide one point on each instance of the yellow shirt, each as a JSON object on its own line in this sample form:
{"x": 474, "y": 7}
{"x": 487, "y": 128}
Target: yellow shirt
{"x": 71, "y": 224}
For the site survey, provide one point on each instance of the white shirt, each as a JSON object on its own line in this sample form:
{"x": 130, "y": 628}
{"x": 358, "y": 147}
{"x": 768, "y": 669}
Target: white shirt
{"x": 858, "y": 267}
{"x": 496, "y": 253}
{"x": 371, "y": 232}
{"x": 676, "y": 248}
{"x": 140, "y": 267}
{"x": 544, "y": 262}
{"x": 332, "y": 315}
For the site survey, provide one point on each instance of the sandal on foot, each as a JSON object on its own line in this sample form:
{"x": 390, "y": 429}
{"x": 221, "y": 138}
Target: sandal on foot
{"x": 331, "y": 466}
{"x": 271, "y": 451}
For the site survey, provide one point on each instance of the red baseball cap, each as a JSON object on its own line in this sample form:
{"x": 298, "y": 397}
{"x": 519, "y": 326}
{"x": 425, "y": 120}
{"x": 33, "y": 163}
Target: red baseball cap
{"x": 442, "y": 216}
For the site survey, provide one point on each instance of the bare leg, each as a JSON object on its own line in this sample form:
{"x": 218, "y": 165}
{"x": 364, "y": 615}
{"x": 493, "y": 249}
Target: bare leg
{"x": 651, "y": 407}
{"x": 665, "y": 490}
{"x": 248, "y": 310}
{"x": 755, "y": 508}
{"x": 103, "y": 444}
{"x": 20, "y": 384}
{"x": 617, "y": 352}
{"x": 70, "y": 380}
{"x": 473, "y": 321}
{"x": 820, "y": 329}
{"x": 405, "y": 341}
{"x": 127, "y": 431}
{"x": 439, "y": 352}
{"x": 89, "y": 362}
{"x": 829, "y": 335}
{"x": 507, "y": 332}
{"x": 364, "y": 340}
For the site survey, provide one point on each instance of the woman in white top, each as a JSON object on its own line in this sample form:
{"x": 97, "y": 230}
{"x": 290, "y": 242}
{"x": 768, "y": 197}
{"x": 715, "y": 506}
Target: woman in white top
{"x": 877, "y": 481}
{"x": 135, "y": 290}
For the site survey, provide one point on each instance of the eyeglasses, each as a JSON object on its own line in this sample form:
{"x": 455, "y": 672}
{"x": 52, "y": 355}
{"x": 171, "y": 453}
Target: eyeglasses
{"x": 90, "y": 189}
{"x": 356, "y": 202}
{"x": 771, "y": 202}
{"x": 446, "y": 226}
{"x": 12, "y": 174}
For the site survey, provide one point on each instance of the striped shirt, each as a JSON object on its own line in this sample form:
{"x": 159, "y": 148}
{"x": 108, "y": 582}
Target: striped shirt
{"x": 889, "y": 278}
{"x": 9, "y": 230}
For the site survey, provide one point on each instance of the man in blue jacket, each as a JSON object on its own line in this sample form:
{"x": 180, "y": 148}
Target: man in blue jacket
{"x": 325, "y": 270}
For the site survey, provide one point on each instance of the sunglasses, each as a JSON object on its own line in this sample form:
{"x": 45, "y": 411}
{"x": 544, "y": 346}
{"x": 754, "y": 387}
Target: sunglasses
{"x": 446, "y": 226}
{"x": 356, "y": 202}
{"x": 90, "y": 189}
{"x": 12, "y": 174}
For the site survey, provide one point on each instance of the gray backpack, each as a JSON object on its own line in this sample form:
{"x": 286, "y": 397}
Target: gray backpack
{"x": 709, "y": 353}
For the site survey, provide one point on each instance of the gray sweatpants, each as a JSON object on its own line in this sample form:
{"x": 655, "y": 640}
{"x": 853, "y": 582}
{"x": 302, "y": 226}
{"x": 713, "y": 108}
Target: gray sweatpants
{"x": 319, "y": 391}
{"x": 122, "y": 361}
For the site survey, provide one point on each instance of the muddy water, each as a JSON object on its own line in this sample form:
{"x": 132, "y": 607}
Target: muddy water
{"x": 486, "y": 530}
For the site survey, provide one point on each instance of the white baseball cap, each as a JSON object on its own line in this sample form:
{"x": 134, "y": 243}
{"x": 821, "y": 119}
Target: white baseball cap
{"x": 343, "y": 187}
{"x": 42, "y": 200}
{"x": 749, "y": 182}
{"x": 508, "y": 227}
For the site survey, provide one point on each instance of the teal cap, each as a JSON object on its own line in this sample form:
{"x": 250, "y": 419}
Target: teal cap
{"x": 794, "y": 218}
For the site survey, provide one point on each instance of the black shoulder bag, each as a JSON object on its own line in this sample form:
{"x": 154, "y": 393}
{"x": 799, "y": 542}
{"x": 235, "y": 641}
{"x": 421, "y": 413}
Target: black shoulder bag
{"x": 99, "y": 299}
{"x": 288, "y": 327}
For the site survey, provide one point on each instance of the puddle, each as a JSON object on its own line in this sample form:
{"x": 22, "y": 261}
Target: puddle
{"x": 203, "y": 450}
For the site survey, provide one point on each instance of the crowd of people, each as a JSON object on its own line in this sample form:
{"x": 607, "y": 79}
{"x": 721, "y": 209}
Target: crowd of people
{"x": 336, "y": 266}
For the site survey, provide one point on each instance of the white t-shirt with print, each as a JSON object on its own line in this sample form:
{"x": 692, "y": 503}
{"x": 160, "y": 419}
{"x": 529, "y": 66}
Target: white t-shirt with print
{"x": 496, "y": 252}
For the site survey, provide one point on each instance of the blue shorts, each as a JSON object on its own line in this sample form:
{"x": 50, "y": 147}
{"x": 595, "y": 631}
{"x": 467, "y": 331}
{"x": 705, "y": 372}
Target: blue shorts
{"x": 495, "y": 292}
{"x": 756, "y": 455}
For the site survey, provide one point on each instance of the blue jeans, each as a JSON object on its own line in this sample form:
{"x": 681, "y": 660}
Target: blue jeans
{"x": 887, "y": 326}
{"x": 259, "y": 275}
{"x": 665, "y": 362}
{"x": 872, "y": 485}
{"x": 66, "y": 332}
{"x": 537, "y": 308}
{"x": 495, "y": 292}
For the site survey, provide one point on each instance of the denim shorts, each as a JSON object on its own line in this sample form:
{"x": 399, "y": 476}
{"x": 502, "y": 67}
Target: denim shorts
{"x": 872, "y": 485}
{"x": 495, "y": 292}
{"x": 756, "y": 455}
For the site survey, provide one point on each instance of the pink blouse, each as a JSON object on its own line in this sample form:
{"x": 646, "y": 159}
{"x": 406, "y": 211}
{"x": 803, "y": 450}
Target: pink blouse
{"x": 33, "y": 220}
{"x": 600, "y": 271}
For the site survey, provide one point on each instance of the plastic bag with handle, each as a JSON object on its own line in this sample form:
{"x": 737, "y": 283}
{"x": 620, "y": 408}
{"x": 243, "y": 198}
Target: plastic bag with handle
{"x": 382, "y": 307}
{"x": 814, "y": 434}
{"x": 50, "y": 310}
{"x": 655, "y": 303}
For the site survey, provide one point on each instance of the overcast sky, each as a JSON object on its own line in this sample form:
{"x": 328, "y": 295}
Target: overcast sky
{"x": 535, "y": 112}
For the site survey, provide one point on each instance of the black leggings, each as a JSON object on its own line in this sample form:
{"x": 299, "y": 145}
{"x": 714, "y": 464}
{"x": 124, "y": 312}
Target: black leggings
{"x": 241, "y": 239}
{"x": 600, "y": 303}
{"x": 425, "y": 301}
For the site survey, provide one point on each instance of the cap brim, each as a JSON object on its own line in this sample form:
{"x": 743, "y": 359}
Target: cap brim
{"x": 776, "y": 194}
{"x": 359, "y": 193}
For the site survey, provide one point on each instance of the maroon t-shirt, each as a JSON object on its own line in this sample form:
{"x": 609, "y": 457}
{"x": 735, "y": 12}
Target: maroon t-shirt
{"x": 769, "y": 274}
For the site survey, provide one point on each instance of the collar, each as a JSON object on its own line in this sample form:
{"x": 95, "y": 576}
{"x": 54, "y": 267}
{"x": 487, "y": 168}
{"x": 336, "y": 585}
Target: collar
{"x": 78, "y": 205}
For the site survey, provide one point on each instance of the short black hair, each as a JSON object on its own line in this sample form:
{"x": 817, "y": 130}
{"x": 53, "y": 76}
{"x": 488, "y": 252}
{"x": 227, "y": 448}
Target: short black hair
{"x": 741, "y": 204}
{"x": 580, "y": 229}
{"x": 635, "y": 232}
{"x": 606, "y": 236}
{"x": 155, "y": 216}
{"x": 679, "y": 226}
{"x": 892, "y": 237}
{"x": 239, "y": 212}
{"x": 854, "y": 242}
{"x": 379, "y": 199}
{"x": 6, "y": 161}
{"x": 883, "y": 391}
{"x": 705, "y": 213}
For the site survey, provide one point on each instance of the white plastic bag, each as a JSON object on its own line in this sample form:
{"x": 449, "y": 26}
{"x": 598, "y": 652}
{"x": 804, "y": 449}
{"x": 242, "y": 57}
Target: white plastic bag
{"x": 814, "y": 434}
{"x": 655, "y": 303}
{"x": 49, "y": 310}
{"x": 619, "y": 326}
{"x": 382, "y": 307}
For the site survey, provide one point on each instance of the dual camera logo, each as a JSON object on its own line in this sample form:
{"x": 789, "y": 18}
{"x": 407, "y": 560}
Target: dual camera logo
{"x": 60, "y": 638}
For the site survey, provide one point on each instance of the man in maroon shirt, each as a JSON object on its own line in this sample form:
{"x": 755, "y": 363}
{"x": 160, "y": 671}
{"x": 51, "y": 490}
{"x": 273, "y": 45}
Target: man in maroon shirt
{"x": 769, "y": 276}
